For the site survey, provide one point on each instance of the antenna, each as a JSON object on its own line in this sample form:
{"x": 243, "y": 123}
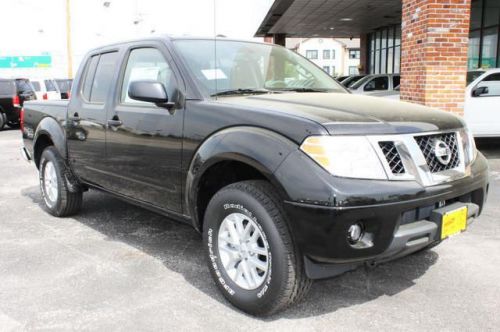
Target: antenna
{"x": 215, "y": 47}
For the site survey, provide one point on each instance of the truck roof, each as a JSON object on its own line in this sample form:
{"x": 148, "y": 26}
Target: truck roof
{"x": 166, "y": 37}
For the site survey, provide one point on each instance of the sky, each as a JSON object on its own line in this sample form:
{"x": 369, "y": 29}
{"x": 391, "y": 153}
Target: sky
{"x": 36, "y": 27}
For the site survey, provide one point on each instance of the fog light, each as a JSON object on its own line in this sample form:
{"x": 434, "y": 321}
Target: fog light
{"x": 355, "y": 233}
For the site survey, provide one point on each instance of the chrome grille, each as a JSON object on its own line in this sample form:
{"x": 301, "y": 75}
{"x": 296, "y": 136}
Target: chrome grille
{"x": 427, "y": 143}
{"x": 392, "y": 156}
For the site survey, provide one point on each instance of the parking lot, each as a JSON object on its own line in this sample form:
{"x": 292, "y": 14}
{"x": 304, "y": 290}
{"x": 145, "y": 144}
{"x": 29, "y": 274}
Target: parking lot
{"x": 119, "y": 267}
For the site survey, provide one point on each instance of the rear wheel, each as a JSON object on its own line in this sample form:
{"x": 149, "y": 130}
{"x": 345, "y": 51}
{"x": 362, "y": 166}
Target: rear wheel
{"x": 3, "y": 119}
{"x": 250, "y": 252}
{"x": 55, "y": 187}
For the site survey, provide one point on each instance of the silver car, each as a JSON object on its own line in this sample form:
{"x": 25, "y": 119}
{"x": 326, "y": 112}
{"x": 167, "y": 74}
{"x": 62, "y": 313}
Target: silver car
{"x": 376, "y": 83}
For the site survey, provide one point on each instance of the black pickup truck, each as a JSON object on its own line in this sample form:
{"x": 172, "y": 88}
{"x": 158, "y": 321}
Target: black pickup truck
{"x": 287, "y": 175}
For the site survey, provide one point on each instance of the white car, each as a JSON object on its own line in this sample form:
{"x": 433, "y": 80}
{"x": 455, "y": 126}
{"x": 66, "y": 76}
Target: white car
{"x": 482, "y": 104}
{"x": 46, "y": 89}
{"x": 377, "y": 83}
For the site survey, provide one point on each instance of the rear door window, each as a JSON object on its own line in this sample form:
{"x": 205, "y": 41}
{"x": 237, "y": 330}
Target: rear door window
{"x": 103, "y": 77}
{"x": 89, "y": 77}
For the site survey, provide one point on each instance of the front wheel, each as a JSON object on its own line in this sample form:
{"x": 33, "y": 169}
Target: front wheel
{"x": 59, "y": 198}
{"x": 250, "y": 252}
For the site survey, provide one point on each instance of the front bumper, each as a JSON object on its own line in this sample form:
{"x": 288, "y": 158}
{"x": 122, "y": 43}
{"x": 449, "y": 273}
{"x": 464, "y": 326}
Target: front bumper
{"x": 399, "y": 216}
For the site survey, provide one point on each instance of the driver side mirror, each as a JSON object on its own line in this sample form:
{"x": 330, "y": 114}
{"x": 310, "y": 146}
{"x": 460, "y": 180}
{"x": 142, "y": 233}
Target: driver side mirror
{"x": 478, "y": 92}
{"x": 151, "y": 92}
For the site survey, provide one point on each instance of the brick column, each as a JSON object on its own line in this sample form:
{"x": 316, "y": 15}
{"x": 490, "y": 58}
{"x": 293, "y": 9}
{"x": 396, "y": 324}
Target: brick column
{"x": 434, "y": 52}
{"x": 363, "y": 57}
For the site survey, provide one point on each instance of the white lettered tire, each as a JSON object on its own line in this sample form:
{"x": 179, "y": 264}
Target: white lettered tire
{"x": 250, "y": 252}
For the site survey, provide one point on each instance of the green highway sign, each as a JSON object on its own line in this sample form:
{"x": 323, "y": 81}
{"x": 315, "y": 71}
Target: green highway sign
{"x": 19, "y": 61}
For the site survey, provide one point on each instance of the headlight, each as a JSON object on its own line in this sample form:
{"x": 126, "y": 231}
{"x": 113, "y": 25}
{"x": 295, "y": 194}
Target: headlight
{"x": 345, "y": 156}
{"x": 470, "y": 146}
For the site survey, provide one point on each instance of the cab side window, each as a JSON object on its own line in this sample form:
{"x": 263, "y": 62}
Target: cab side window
{"x": 377, "y": 84}
{"x": 492, "y": 82}
{"x": 89, "y": 77}
{"x": 103, "y": 77}
{"x": 146, "y": 64}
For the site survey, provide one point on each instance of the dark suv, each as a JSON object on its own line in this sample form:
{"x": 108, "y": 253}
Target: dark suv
{"x": 13, "y": 93}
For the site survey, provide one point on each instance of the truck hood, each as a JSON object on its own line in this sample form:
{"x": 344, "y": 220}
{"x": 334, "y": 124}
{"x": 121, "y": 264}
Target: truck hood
{"x": 343, "y": 113}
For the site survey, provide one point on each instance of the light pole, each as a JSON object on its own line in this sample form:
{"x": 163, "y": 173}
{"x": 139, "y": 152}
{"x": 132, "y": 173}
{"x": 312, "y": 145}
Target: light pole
{"x": 68, "y": 39}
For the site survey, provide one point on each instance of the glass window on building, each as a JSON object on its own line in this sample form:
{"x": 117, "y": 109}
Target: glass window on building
{"x": 385, "y": 50}
{"x": 333, "y": 54}
{"x": 326, "y": 54}
{"x": 353, "y": 70}
{"x": 333, "y": 71}
{"x": 484, "y": 45}
{"x": 312, "y": 54}
{"x": 326, "y": 69}
{"x": 354, "y": 54}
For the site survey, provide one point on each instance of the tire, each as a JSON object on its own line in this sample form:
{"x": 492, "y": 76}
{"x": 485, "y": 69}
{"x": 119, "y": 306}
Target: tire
{"x": 253, "y": 204}
{"x": 55, "y": 187}
{"x": 3, "y": 121}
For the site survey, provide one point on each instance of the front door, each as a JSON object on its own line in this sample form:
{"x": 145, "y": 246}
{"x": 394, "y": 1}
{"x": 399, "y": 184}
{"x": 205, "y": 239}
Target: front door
{"x": 144, "y": 141}
{"x": 482, "y": 112}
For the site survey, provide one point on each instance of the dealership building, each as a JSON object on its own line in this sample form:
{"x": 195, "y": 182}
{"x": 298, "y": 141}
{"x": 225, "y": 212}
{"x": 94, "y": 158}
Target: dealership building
{"x": 431, "y": 43}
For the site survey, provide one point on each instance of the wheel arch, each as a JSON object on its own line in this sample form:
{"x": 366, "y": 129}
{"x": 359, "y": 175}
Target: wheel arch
{"x": 48, "y": 133}
{"x": 232, "y": 155}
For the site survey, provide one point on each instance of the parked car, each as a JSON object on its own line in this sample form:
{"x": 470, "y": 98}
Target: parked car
{"x": 341, "y": 78}
{"x": 64, "y": 86}
{"x": 46, "y": 89}
{"x": 482, "y": 104}
{"x": 288, "y": 176}
{"x": 13, "y": 93}
{"x": 349, "y": 81}
{"x": 375, "y": 83}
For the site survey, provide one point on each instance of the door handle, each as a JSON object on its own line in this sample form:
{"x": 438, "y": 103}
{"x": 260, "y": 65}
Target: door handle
{"x": 114, "y": 123}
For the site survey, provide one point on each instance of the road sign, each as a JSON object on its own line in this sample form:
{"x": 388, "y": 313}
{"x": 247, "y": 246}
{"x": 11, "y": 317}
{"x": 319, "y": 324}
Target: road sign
{"x": 20, "y": 61}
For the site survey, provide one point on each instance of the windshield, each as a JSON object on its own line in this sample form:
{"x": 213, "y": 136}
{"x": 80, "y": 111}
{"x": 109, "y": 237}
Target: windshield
{"x": 247, "y": 66}
{"x": 23, "y": 86}
{"x": 348, "y": 82}
{"x": 472, "y": 75}
{"x": 64, "y": 85}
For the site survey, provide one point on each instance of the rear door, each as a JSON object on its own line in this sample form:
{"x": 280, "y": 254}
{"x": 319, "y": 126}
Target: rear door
{"x": 86, "y": 125}
{"x": 144, "y": 141}
{"x": 482, "y": 113}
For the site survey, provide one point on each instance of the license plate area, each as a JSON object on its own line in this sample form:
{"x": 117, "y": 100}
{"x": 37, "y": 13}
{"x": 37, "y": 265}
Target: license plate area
{"x": 454, "y": 222}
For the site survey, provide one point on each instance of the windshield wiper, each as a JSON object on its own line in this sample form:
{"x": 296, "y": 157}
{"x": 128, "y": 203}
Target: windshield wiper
{"x": 303, "y": 90}
{"x": 240, "y": 92}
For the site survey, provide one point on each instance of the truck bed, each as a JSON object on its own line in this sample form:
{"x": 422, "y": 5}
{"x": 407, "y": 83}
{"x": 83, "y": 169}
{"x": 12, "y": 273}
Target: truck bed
{"x": 36, "y": 111}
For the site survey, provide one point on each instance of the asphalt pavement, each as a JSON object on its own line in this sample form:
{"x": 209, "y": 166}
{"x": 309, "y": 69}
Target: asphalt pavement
{"x": 119, "y": 267}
